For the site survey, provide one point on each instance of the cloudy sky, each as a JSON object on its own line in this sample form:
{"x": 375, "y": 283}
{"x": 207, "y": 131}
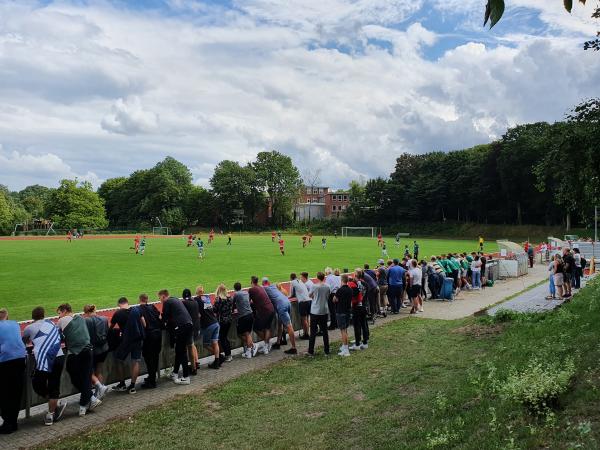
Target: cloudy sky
{"x": 97, "y": 89}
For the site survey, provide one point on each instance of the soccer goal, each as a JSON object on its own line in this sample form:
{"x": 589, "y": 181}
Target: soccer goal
{"x": 359, "y": 231}
{"x": 161, "y": 230}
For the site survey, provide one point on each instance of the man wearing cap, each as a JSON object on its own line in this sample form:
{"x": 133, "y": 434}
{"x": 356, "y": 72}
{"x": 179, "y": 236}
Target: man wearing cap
{"x": 283, "y": 308}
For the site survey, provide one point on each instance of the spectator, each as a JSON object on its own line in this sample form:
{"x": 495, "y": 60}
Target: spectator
{"x": 395, "y": 279}
{"x": 424, "y": 277}
{"x": 530, "y": 254}
{"x": 333, "y": 281}
{"x": 209, "y": 326}
{"x": 319, "y": 311}
{"x": 371, "y": 295}
{"x": 577, "y": 270}
{"x": 264, "y": 313}
{"x": 12, "y": 372}
{"x": 152, "y": 342}
{"x": 300, "y": 292}
{"x": 224, "y": 310}
{"x": 131, "y": 324}
{"x": 193, "y": 309}
{"x": 551, "y": 286}
{"x": 559, "y": 270}
{"x": 245, "y": 320}
{"x": 476, "y": 272}
{"x": 370, "y": 280}
{"x": 569, "y": 269}
{"x": 415, "y": 275}
{"x": 282, "y": 306}
{"x": 382, "y": 284}
{"x": 359, "y": 315}
{"x": 98, "y": 329}
{"x": 343, "y": 301}
{"x": 79, "y": 359}
{"x": 49, "y": 361}
{"x": 176, "y": 316}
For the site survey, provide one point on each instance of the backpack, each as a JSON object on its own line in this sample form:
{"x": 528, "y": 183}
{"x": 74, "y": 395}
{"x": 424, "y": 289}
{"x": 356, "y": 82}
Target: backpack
{"x": 583, "y": 263}
{"x": 98, "y": 332}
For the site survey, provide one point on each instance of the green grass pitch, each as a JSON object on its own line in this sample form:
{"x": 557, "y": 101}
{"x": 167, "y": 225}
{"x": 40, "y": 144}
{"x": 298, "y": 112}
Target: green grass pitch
{"x": 99, "y": 271}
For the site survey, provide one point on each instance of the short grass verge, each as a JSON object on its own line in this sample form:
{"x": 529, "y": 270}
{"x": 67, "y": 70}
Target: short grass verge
{"x": 422, "y": 384}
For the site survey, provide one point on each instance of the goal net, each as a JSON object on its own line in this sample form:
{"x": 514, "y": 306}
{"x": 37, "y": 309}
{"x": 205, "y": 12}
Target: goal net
{"x": 161, "y": 230}
{"x": 359, "y": 232}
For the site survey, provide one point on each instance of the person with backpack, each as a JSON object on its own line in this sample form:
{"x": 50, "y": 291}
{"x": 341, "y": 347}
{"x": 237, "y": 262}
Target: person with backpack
{"x": 359, "y": 313}
{"x": 224, "y": 310}
{"x": 79, "y": 358}
{"x": 132, "y": 326}
{"x": 98, "y": 329}
{"x": 153, "y": 340}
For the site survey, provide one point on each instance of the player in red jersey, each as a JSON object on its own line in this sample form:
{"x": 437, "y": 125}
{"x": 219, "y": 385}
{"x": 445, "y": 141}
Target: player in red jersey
{"x": 69, "y": 236}
{"x": 136, "y": 244}
{"x": 310, "y": 238}
{"x": 379, "y": 240}
{"x": 273, "y": 234}
{"x": 304, "y": 239}
{"x": 211, "y": 235}
{"x": 281, "y": 246}
{"x": 190, "y": 240}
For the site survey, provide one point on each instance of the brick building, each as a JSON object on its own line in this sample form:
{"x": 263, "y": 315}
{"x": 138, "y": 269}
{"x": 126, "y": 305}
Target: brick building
{"x": 320, "y": 203}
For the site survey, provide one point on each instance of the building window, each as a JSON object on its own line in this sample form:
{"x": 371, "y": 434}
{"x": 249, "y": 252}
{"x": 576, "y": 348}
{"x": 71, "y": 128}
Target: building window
{"x": 334, "y": 207}
{"x": 345, "y": 198}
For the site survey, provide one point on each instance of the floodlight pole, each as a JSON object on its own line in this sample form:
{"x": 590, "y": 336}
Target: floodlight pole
{"x": 159, "y": 222}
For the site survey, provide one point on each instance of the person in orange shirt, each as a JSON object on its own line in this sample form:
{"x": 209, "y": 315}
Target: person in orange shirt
{"x": 281, "y": 247}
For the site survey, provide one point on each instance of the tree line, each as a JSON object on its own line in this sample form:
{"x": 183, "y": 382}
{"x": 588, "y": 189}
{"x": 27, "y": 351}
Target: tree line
{"x": 164, "y": 194}
{"x": 539, "y": 173}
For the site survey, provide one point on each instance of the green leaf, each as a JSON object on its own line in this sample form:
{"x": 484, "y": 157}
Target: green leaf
{"x": 568, "y": 5}
{"x": 493, "y": 11}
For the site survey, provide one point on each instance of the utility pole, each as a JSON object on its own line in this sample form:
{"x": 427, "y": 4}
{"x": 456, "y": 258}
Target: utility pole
{"x": 595, "y": 224}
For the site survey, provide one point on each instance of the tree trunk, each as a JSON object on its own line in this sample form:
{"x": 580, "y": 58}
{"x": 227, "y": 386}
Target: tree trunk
{"x": 519, "y": 216}
{"x": 568, "y": 221}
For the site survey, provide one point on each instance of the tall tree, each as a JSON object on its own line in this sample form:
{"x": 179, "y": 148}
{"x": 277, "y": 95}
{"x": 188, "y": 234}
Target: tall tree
{"x": 280, "y": 179}
{"x": 76, "y": 205}
{"x": 234, "y": 188}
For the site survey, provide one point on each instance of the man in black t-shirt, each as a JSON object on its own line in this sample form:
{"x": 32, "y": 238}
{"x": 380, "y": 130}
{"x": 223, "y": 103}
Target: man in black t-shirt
{"x": 343, "y": 302}
{"x": 131, "y": 343}
{"x": 153, "y": 340}
{"x": 175, "y": 316}
{"x": 569, "y": 263}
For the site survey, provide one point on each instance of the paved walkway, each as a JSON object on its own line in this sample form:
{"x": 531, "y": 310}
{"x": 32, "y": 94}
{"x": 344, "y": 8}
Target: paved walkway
{"x": 32, "y": 432}
{"x": 532, "y": 301}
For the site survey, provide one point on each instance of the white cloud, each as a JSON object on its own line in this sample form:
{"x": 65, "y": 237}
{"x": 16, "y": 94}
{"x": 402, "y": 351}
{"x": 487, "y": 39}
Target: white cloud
{"x": 18, "y": 169}
{"x": 129, "y": 117}
{"x": 346, "y": 85}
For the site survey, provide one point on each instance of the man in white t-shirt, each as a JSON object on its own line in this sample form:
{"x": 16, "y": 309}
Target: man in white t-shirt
{"x": 414, "y": 292}
{"x": 299, "y": 291}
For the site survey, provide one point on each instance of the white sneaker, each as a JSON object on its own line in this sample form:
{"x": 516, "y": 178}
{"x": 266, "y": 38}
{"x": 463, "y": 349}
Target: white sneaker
{"x": 364, "y": 346}
{"x": 49, "y": 419}
{"x": 101, "y": 391}
{"x": 173, "y": 376}
{"x": 94, "y": 402}
{"x": 82, "y": 410}
{"x": 354, "y": 347}
{"x": 247, "y": 354}
{"x": 228, "y": 358}
{"x": 254, "y": 350}
{"x": 266, "y": 349}
{"x": 421, "y": 310}
{"x": 182, "y": 380}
